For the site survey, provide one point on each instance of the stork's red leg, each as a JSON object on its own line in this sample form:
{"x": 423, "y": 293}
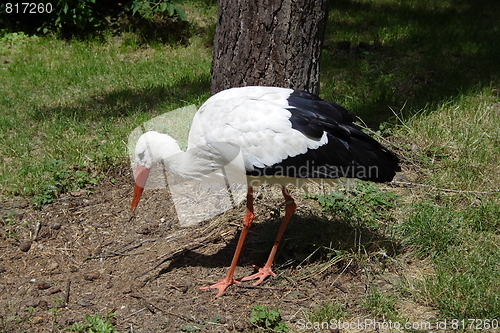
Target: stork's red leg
{"x": 266, "y": 270}
{"x": 247, "y": 222}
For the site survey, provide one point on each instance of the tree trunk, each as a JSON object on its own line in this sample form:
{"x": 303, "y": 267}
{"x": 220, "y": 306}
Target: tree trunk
{"x": 268, "y": 43}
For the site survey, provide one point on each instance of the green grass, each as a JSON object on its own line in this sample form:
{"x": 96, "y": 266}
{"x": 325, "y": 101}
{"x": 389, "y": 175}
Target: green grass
{"x": 463, "y": 245}
{"x": 432, "y": 71}
{"x": 421, "y": 54}
{"x": 68, "y": 107}
{"x": 460, "y": 140}
{"x": 360, "y": 204}
{"x": 429, "y": 79}
{"x": 95, "y": 324}
{"x": 381, "y": 304}
{"x": 267, "y": 319}
{"x": 325, "y": 312}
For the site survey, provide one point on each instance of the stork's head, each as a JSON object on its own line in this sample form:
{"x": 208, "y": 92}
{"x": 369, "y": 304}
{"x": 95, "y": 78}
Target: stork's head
{"x": 151, "y": 148}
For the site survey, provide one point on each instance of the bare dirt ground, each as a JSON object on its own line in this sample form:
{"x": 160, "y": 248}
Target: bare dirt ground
{"x": 86, "y": 253}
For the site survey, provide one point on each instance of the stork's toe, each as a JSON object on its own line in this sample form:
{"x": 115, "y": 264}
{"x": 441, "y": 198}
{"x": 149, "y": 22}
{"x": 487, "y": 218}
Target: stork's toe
{"x": 262, "y": 273}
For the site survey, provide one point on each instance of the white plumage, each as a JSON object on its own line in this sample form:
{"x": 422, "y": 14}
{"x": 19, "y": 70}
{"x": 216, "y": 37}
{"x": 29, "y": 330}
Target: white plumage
{"x": 255, "y": 119}
{"x": 265, "y": 133}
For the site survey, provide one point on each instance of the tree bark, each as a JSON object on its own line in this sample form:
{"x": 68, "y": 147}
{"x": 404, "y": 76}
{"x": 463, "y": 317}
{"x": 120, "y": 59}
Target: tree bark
{"x": 268, "y": 43}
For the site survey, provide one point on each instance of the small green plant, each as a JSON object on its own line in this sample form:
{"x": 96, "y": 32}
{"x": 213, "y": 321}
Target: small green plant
{"x": 55, "y": 314}
{"x": 61, "y": 179}
{"x": 9, "y": 221}
{"x": 381, "y": 304}
{"x": 58, "y": 301}
{"x": 95, "y": 324}
{"x": 326, "y": 312}
{"x": 15, "y": 40}
{"x": 385, "y": 129}
{"x": 267, "y": 319}
{"x": 362, "y": 204}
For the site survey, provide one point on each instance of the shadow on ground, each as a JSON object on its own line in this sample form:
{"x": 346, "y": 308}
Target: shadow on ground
{"x": 439, "y": 54}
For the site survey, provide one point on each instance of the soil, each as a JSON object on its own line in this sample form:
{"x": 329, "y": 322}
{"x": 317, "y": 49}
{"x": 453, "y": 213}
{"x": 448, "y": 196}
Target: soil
{"x": 86, "y": 253}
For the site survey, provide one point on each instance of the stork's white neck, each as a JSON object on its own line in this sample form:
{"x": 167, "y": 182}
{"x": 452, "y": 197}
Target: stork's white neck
{"x": 188, "y": 165}
{"x": 199, "y": 163}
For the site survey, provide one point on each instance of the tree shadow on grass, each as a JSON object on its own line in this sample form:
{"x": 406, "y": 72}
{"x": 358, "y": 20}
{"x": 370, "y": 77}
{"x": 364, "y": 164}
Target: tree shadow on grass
{"x": 409, "y": 55}
{"x": 126, "y": 102}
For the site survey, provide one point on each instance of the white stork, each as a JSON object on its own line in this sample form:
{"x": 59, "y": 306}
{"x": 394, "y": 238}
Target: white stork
{"x": 282, "y": 134}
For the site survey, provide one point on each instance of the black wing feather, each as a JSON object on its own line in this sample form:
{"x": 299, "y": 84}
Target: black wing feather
{"x": 349, "y": 152}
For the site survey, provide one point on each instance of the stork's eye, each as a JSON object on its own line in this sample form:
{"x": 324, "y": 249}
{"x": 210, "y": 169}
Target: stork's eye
{"x": 141, "y": 155}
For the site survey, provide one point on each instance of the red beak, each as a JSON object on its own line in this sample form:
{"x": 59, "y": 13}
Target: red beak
{"x": 141, "y": 176}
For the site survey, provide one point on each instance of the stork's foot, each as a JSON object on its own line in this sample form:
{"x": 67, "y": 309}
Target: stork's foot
{"x": 221, "y": 285}
{"x": 260, "y": 275}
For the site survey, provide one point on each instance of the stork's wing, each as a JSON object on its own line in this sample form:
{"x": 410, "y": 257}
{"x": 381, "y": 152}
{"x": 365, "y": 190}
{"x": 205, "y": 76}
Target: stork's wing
{"x": 257, "y": 119}
{"x": 285, "y": 132}
{"x": 349, "y": 152}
